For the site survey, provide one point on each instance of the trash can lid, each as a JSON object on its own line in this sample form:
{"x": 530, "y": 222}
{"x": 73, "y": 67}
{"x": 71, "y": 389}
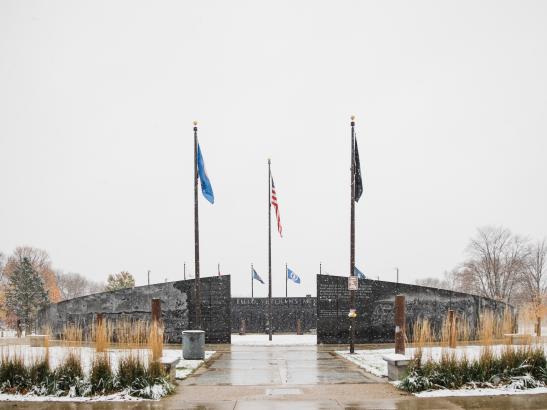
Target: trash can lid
{"x": 193, "y": 331}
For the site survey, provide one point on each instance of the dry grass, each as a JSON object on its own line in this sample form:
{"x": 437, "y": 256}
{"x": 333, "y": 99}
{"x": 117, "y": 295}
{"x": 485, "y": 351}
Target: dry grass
{"x": 72, "y": 335}
{"x": 155, "y": 340}
{"x": 102, "y": 334}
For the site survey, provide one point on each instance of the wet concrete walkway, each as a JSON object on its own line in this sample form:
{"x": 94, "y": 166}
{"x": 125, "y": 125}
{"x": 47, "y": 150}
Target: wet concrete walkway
{"x": 294, "y": 377}
{"x": 279, "y": 365}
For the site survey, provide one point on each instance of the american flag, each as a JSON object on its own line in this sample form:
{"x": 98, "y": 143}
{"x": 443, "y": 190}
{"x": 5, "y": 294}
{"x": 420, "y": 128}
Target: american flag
{"x": 276, "y": 206}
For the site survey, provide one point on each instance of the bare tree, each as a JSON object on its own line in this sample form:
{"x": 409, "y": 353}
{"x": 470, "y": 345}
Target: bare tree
{"x": 535, "y": 274}
{"x": 73, "y": 285}
{"x": 449, "y": 281}
{"x": 535, "y": 278}
{"x": 497, "y": 259}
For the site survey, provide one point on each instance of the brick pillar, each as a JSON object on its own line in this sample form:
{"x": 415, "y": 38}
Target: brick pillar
{"x": 242, "y": 327}
{"x": 400, "y": 325}
{"x": 156, "y": 310}
{"x": 451, "y": 329}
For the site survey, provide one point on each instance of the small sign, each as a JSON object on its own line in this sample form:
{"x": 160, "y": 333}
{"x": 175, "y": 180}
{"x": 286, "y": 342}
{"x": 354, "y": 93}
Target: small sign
{"x": 353, "y": 283}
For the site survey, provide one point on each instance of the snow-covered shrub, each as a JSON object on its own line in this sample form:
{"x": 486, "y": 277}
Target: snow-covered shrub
{"x": 522, "y": 368}
{"x": 101, "y": 377}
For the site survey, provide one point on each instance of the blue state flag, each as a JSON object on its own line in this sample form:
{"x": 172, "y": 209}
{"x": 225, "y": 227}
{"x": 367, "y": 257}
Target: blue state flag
{"x": 293, "y": 276}
{"x": 206, "y": 187}
{"x": 256, "y": 277}
{"x": 359, "y": 274}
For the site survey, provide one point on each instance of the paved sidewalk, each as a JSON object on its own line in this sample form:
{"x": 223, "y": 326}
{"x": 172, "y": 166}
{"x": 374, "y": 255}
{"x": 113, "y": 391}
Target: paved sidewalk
{"x": 293, "y": 377}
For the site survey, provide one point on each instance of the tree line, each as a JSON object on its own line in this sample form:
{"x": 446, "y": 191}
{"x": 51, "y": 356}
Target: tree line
{"x": 28, "y": 283}
{"x": 500, "y": 265}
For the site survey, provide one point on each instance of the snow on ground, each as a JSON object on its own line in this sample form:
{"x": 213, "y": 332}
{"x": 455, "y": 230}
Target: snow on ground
{"x": 187, "y": 367}
{"x": 277, "y": 340}
{"x": 372, "y": 362}
{"x": 58, "y": 353}
{"x": 480, "y": 392}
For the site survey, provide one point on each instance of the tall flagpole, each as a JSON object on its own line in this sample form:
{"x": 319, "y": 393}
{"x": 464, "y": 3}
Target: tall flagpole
{"x": 270, "y": 321}
{"x": 252, "y": 282}
{"x": 352, "y": 235}
{"x": 197, "y": 287}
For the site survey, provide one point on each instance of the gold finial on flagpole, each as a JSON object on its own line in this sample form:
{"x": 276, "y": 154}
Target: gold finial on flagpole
{"x": 353, "y": 117}
{"x": 195, "y": 123}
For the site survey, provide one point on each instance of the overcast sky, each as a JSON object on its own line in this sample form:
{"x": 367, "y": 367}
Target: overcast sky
{"x": 97, "y": 100}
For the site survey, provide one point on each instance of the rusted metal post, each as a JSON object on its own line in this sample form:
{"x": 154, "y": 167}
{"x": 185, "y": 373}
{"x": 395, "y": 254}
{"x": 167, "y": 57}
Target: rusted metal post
{"x": 400, "y": 325}
{"x": 451, "y": 329}
{"x": 156, "y": 310}
{"x": 242, "y": 326}
{"x": 299, "y": 327}
{"x": 538, "y": 326}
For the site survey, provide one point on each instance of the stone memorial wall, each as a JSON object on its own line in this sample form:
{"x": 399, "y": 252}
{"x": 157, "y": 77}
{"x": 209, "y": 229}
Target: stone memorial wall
{"x": 177, "y": 308}
{"x": 375, "y": 308}
{"x": 286, "y": 312}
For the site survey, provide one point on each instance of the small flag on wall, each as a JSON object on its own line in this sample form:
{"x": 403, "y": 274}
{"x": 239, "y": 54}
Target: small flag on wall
{"x": 293, "y": 276}
{"x": 257, "y": 277}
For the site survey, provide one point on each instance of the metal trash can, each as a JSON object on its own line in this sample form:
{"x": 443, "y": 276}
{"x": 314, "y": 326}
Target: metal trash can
{"x": 193, "y": 344}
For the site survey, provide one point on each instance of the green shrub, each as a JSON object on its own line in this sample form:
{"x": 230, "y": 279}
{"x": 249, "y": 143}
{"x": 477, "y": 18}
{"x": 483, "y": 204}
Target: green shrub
{"x": 14, "y": 375}
{"x": 521, "y": 368}
{"x": 69, "y": 374}
{"x": 40, "y": 372}
{"x": 101, "y": 377}
{"x": 130, "y": 369}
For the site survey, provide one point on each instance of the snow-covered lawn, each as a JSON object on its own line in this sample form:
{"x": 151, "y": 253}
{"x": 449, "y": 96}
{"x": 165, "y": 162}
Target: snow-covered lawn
{"x": 277, "y": 340}
{"x": 58, "y": 353}
{"x": 372, "y": 362}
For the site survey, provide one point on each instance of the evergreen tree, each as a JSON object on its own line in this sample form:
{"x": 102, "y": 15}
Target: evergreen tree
{"x": 120, "y": 280}
{"x": 25, "y": 293}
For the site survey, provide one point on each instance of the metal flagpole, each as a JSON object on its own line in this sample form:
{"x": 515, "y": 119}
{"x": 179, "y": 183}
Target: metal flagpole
{"x": 270, "y": 322}
{"x": 218, "y": 269}
{"x": 197, "y": 287}
{"x": 352, "y": 235}
{"x": 252, "y": 282}
{"x": 320, "y": 268}
{"x": 184, "y": 270}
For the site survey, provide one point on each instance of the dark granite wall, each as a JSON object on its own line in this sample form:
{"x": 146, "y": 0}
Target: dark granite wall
{"x": 177, "y": 305}
{"x": 286, "y": 311}
{"x": 375, "y": 308}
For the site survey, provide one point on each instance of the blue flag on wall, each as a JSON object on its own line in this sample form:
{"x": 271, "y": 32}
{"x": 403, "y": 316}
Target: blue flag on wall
{"x": 256, "y": 277}
{"x": 293, "y": 276}
{"x": 206, "y": 187}
{"x": 358, "y": 273}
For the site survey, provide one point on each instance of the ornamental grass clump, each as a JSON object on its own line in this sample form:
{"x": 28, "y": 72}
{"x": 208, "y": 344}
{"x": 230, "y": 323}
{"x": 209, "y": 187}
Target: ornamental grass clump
{"x": 101, "y": 378}
{"x": 517, "y": 367}
{"x": 14, "y": 375}
{"x": 69, "y": 375}
{"x": 131, "y": 372}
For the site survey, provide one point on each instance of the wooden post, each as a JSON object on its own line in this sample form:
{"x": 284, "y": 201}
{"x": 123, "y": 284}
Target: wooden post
{"x": 299, "y": 327}
{"x": 538, "y": 326}
{"x": 156, "y": 310}
{"x": 451, "y": 329}
{"x": 400, "y": 325}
